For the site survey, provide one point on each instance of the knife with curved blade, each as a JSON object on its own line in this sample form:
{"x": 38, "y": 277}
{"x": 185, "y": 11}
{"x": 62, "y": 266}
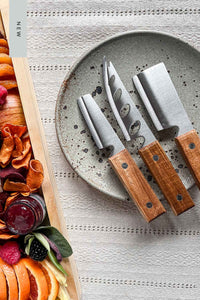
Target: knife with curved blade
{"x": 151, "y": 152}
{"x": 120, "y": 160}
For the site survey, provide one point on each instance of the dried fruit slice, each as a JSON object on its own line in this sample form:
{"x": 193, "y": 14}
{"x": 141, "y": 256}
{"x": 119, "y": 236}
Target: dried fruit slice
{"x": 12, "y": 110}
{"x": 35, "y": 175}
{"x": 6, "y": 148}
{"x": 53, "y": 284}
{"x": 4, "y": 50}
{"x": 38, "y": 283}
{"x": 23, "y": 280}
{"x": 11, "y": 186}
{"x": 11, "y": 280}
{"x": 8, "y": 84}
{"x": 22, "y": 161}
{"x": 3, "y": 289}
{"x": 5, "y": 59}
{"x": 3, "y": 43}
{"x": 6, "y": 70}
{"x": 8, "y": 236}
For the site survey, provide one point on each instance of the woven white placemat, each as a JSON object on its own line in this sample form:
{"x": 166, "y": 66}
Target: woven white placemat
{"x": 118, "y": 255}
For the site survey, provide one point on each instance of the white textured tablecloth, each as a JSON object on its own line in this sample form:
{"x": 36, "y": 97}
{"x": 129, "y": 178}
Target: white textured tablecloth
{"x": 118, "y": 255}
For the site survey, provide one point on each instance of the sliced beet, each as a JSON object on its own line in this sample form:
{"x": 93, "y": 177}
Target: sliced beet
{"x": 12, "y": 174}
{"x": 3, "y": 198}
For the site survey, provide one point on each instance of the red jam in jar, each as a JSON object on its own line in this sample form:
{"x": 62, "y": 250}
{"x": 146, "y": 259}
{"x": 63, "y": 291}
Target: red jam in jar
{"x": 25, "y": 214}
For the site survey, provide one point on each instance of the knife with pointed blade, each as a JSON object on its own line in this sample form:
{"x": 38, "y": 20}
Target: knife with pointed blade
{"x": 151, "y": 152}
{"x": 166, "y": 110}
{"x": 120, "y": 160}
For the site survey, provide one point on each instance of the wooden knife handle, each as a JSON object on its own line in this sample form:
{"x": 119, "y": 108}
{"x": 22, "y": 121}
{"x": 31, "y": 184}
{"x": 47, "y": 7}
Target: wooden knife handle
{"x": 189, "y": 146}
{"x": 165, "y": 175}
{"x": 136, "y": 185}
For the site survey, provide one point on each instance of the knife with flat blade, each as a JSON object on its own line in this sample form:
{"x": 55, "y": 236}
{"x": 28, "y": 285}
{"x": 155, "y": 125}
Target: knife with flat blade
{"x": 166, "y": 110}
{"x": 151, "y": 152}
{"x": 120, "y": 159}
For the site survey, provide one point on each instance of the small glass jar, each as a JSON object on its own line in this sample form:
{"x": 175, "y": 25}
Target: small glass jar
{"x": 25, "y": 214}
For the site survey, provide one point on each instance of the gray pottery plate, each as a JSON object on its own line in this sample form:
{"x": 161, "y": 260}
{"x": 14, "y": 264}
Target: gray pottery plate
{"x": 131, "y": 53}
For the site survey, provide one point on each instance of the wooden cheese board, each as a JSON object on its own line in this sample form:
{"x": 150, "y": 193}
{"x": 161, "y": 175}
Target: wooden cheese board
{"x": 39, "y": 147}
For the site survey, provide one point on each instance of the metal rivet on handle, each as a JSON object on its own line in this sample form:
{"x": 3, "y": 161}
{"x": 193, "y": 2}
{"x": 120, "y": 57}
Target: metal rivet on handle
{"x": 179, "y": 197}
{"x": 124, "y": 165}
{"x": 155, "y": 157}
{"x": 191, "y": 145}
{"x": 149, "y": 204}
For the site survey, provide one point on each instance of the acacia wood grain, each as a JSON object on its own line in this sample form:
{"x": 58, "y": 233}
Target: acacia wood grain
{"x": 40, "y": 150}
{"x": 165, "y": 175}
{"x": 136, "y": 185}
{"x": 189, "y": 146}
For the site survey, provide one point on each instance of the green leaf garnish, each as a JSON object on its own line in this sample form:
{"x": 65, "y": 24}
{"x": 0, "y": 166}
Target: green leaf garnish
{"x": 28, "y": 246}
{"x": 55, "y": 236}
{"x": 53, "y": 259}
{"x": 27, "y": 237}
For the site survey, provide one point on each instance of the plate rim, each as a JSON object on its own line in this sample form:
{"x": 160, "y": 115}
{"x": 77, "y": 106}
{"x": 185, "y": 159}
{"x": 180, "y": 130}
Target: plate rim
{"x": 69, "y": 74}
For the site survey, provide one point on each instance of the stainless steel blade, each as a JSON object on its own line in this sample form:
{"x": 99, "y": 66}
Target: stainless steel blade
{"x": 100, "y": 128}
{"x": 120, "y": 99}
{"x": 160, "y": 97}
{"x": 111, "y": 101}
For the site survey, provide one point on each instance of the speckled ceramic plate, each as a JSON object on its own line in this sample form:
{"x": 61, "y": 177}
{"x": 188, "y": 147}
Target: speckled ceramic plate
{"x": 131, "y": 53}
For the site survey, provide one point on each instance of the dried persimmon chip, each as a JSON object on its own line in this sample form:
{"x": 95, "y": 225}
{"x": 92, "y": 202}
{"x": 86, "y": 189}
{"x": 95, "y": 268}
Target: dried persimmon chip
{"x": 7, "y": 236}
{"x": 22, "y": 161}
{"x": 24, "y": 158}
{"x": 35, "y": 175}
{"x": 16, "y": 129}
{"x": 11, "y": 186}
{"x": 18, "y": 146}
{"x": 2, "y": 225}
{"x": 6, "y": 148}
{"x": 10, "y": 199}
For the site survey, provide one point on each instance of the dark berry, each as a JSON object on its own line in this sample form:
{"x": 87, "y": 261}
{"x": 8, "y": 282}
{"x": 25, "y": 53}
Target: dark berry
{"x": 37, "y": 251}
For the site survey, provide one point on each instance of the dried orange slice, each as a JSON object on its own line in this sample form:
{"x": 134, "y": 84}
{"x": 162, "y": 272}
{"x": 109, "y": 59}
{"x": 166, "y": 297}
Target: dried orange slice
{"x": 3, "y": 289}
{"x": 23, "y": 280}
{"x": 53, "y": 285}
{"x": 11, "y": 280}
{"x": 38, "y": 282}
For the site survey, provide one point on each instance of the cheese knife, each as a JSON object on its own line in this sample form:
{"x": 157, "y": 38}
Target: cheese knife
{"x": 151, "y": 152}
{"x": 120, "y": 159}
{"x": 166, "y": 110}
